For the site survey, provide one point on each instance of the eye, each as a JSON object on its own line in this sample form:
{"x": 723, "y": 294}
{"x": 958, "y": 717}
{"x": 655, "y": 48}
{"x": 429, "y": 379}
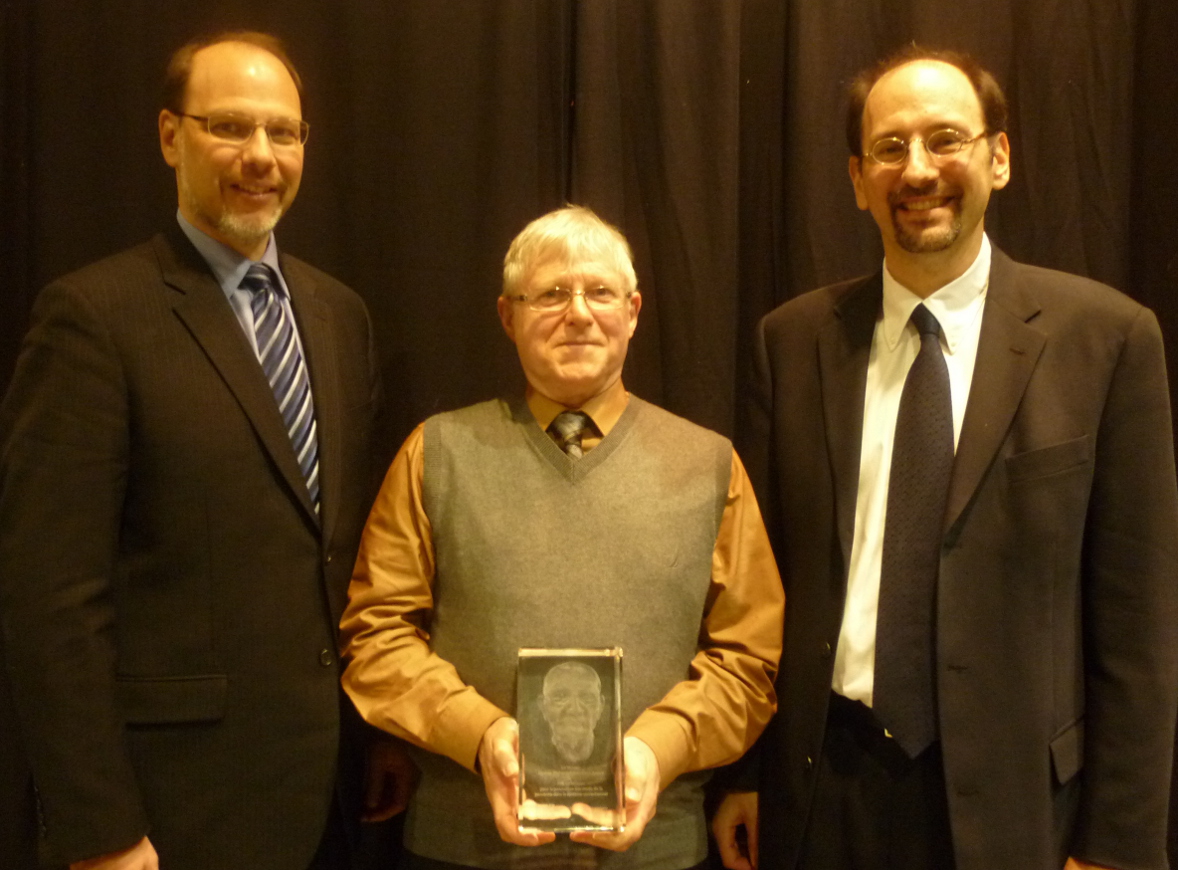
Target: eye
{"x": 554, "y": 297}
{"x": 281, "y": 135}
{"x": 605, "y": 296}
{"x": 232, "y": 127}
{"x": 890, "y": 150}
{"x": 944, "y": 142}
{"x": 284, "y": 132}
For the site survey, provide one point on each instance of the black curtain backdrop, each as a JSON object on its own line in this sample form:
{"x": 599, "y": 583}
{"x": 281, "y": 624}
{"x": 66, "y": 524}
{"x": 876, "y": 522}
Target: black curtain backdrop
{"x": 709, "y": 130}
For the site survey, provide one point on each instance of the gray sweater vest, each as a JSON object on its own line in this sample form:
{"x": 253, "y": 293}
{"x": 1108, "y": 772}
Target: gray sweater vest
{"x": 536, "y": 549}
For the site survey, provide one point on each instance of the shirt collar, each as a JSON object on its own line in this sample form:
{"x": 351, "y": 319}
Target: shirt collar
{"x": 229, "y": 267}
{"x": 956, "y": 305}
{"x": 604, "y": 410}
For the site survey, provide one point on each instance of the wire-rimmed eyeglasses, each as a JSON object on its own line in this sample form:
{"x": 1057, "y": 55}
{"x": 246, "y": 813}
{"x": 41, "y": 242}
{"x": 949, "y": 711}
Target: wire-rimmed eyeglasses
{"x": 599, "y": 298}
{"x": 239, "y": 129}
{"x": 939, "y": 144}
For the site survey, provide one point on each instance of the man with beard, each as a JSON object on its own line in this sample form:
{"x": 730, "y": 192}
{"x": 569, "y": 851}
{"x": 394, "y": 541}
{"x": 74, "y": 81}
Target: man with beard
{"x": 186, "y": 468}
{"x": 571, "y": 702}
{"x": 573, "y": 516}
{"x": 968, "y": 474}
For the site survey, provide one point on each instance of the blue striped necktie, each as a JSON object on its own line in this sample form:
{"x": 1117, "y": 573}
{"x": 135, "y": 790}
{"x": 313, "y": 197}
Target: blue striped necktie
{"x": 282, "y": 361}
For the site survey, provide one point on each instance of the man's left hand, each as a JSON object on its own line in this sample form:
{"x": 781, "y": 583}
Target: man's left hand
{"x": 1077, "y": 864}
{"x": 642, "y": 794}
{"x": 389, "y": 780}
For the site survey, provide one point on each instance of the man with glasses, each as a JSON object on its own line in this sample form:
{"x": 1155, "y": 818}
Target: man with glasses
{"x": 968, "y": 475}
{"x": 187, "y": 464}
{"x": 574, "y": 516}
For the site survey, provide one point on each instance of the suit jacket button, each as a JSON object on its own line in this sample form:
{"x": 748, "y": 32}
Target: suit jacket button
{"x": 827, "y": 650}
{"x": 326, "y": 658}
{"x": 809, "y": 765}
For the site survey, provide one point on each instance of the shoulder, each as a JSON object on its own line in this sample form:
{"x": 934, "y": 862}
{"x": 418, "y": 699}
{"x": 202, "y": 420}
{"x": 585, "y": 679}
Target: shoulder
{"x": 1062, "y": 302}
{"x": 481, "y": 417}
{"x": 678, "y": 429}
{"x": 308, "y": 277}
{"x": 811, "y": 310}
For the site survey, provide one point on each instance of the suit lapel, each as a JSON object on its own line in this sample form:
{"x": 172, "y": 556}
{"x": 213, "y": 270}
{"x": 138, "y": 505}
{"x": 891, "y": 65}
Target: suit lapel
{"x": 1008, "y": 349}
{"x": 844, "y": 347}
{"x": 201, "y": 306}
{"x": 313, "y": 318}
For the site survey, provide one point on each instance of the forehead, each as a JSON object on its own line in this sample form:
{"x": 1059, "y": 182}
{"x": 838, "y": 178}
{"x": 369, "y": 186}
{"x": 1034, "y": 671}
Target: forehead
{"x": 565, "y": 678}
{"x": 919, "y": 96}
{"x": 236, "y": 75}
{"x": 551, "y": 271}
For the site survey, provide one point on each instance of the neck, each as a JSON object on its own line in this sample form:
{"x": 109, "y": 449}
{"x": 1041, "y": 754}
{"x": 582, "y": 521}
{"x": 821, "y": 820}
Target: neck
{"x": 924, "y": 274}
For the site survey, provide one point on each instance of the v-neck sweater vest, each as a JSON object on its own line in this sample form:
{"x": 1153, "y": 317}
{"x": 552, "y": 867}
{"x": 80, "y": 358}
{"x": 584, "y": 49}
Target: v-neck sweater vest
{"x": 534, "y": 548}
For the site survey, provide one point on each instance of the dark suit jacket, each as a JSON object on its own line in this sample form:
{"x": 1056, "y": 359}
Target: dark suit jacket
{"x": 1057, "y": 602}
{"x": 169, "y": 597}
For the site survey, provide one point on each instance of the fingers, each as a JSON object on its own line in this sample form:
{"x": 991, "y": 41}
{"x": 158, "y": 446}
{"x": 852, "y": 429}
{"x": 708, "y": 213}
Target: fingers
{"x": 499, "y": 765}
{"x": 737, "y": 815}
{"x": 641, "y": 793}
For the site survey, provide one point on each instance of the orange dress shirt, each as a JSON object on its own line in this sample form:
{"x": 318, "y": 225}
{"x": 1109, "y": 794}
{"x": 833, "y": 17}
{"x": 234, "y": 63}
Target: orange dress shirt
{"x": 400, "y": 685}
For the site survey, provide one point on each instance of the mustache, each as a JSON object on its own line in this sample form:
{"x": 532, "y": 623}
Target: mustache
{"x": 896, "y": 197}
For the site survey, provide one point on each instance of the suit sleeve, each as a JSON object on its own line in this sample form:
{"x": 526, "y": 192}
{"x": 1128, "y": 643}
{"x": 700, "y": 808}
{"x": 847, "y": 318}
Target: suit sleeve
{"x": 1130, "y": 610}
{"x": 65, "y": 436}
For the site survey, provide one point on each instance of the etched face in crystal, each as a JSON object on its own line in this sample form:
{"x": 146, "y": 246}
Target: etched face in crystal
{"x": 572, "y": 703}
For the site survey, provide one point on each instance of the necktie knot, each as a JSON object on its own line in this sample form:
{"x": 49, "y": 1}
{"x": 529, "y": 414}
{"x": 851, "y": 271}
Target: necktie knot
{"x": 925, "y": 322}
{"x": 258, "y": 277}
{"x": 568, "y": 428}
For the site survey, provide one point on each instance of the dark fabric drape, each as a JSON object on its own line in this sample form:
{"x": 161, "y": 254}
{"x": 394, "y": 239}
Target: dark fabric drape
{"x": 711, "y": 131}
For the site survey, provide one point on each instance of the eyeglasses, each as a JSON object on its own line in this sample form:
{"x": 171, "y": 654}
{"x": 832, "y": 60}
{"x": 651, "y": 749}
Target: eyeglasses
{"x": 239, "y": 129}
{"x": 600, "y": 298}
{"x": 892, "y": 151}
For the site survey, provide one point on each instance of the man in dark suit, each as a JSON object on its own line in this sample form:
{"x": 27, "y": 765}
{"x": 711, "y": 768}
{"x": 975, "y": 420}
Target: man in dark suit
{"x": 976, "y": 518}
{"x": 187, "y": 465}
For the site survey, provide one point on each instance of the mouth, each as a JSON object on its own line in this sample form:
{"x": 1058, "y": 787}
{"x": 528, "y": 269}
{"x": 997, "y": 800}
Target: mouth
{"x": 926, "y": 203}
{"x": 255, "y": 191}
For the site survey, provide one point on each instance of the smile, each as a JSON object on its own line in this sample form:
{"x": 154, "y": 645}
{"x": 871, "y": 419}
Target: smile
{"x": 927, "y": 204}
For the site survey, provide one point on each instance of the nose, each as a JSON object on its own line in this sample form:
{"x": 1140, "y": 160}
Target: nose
{"x": 918, "y": 166}
{"x": 578, "y": 310}
{"x": 257, "y": 148}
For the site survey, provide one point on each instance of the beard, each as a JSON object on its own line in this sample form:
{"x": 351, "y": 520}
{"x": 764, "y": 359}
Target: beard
{"x": 245, "y": 229}
{"x": 573, "y": 741}
{"x": 248, "y": 229}
{"x": 928, "y": 240}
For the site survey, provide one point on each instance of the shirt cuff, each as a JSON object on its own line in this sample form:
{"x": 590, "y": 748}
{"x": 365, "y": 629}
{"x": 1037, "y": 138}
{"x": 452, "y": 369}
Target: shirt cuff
{"x": 668, "y": 739}
{"x": 459, "y": 733}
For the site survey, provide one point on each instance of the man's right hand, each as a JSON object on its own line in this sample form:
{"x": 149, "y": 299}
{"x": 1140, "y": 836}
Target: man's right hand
{"x": 737, "y": 809}
{"x": 499, "y": 764}
{"x": 141, "y": 856}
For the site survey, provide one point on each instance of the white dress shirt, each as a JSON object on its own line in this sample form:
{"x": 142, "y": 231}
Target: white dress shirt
{"x": 958, "y": 308}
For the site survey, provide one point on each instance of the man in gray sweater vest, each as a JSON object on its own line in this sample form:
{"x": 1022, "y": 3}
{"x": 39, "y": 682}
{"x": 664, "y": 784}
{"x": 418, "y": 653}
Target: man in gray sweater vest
{"x": 574, "y": 516}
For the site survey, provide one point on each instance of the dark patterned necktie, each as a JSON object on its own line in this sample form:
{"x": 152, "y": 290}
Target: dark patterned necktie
{"x": 918, "y": 487}
{"x": 568, "y": 428}
{"x": 282, "y": 361}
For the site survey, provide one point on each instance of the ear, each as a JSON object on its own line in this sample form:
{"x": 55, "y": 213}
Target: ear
{"x": 1000, "y": 162}
{"x": 635, "y": 307}
{"x": 855, "y": 168}
{"x": 169, "y": 126}
{"x": 506, "y": 315}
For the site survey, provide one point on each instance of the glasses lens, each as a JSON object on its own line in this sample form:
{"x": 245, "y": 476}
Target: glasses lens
{"x": 286, "y": 131}
{"x": 889, "y": 150}
{"x": 945, "y": 142}
{"x": 231, "y": 128}
{"x": 553, "y": 299}
{"x": 603, "y": 298}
